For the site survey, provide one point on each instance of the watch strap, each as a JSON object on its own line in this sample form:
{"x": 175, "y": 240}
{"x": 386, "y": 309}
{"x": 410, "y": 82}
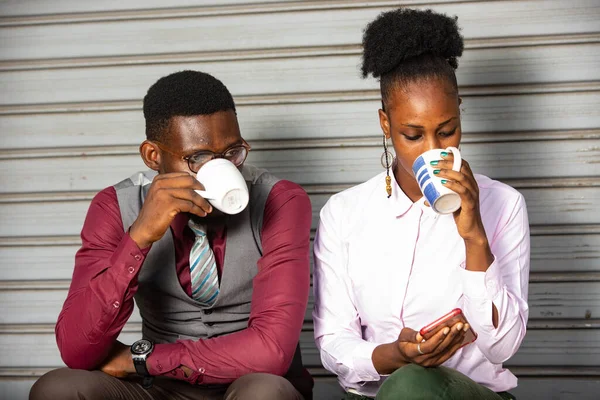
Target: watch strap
{"x": 147, "y": 381}
{"x": 139, "y": 362}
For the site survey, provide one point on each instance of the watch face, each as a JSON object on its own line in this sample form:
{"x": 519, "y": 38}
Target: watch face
{"x": 141, "y": 347}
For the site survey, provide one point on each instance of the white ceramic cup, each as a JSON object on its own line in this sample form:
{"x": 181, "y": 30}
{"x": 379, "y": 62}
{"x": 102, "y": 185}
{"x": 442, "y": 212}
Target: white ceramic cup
{"x": 441, "y": 199}
{"x": 224, "y": 186}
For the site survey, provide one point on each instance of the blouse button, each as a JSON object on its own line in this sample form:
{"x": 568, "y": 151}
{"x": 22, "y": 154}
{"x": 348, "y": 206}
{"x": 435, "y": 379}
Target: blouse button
{"x": 201, "y": 370}
{"x": 116, "y": 304}
{"x": 131, "y": 269}
{"x": 137, "y": 257}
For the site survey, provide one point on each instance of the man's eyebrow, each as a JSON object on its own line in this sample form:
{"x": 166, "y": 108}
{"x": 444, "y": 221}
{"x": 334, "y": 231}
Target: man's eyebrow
{"x": 194, "y": 151}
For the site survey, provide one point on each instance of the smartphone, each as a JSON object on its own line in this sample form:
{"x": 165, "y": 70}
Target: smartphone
{"x": 453, "y": 317}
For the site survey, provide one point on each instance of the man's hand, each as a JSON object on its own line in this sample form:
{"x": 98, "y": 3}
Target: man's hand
{"x": 118, "y": 363}
{"x": 169, "y": 195}
{"x": 387, "y": 358}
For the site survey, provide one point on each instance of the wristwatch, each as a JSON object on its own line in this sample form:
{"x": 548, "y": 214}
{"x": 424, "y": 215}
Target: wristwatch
{"x": 140, "y": 351}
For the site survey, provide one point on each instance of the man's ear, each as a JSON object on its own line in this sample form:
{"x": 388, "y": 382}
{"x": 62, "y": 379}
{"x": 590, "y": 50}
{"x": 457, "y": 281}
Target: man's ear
{"x": 151, "y": 155}
{"x": 384, "y": 122}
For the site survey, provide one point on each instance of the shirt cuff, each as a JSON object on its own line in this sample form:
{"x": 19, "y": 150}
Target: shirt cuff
{"x": 124, "y": 265}
{"x": 128, "y": 257}
{"x": 165, "y": 358}
{"x": 482, "y": 285}
{"x": 363, "y": 362}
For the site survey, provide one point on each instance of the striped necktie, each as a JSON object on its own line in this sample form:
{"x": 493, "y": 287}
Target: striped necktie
{"x": 203, "y": 268}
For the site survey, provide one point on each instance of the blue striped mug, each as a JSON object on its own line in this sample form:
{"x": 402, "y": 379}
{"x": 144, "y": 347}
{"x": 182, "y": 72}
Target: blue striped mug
{"x": 441, "y": 199}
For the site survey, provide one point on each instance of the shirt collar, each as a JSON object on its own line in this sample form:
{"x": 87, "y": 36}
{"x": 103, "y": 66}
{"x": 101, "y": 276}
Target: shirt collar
{"x": 401, "y": 204}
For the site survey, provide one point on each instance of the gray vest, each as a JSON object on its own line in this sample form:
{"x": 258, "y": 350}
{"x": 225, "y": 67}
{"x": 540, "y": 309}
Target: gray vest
{"x": 168, "y": 313}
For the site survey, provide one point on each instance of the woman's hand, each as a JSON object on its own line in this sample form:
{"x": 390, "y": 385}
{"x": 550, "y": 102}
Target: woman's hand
{"x": 468, "y": 220}
{"x": 467, "y": 217}
{"x": 410, "y": 348}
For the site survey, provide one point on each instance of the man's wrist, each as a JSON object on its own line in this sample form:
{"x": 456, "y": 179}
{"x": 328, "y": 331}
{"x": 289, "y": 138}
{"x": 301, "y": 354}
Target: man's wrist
{"x": 139, "y": 353}
{"x": 129, "y": 366}
{"x": 139, "y": 239}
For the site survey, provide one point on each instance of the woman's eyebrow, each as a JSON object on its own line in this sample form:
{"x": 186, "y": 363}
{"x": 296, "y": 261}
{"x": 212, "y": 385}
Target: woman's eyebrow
{"x": 422, "y": 127}
{"x": 445, "y": 122}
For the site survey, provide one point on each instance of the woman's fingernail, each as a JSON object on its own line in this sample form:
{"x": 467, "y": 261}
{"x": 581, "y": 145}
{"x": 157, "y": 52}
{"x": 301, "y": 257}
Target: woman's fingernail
{"x": 434, "y": 162}
{"x": 459, "y": 327}
{"x": 444, "y": 181}
{"x": 436, "y": 171}
{"x": 466, "y": 328}
{"x": 446, "y": 330}
{"x": 444, "y": 153}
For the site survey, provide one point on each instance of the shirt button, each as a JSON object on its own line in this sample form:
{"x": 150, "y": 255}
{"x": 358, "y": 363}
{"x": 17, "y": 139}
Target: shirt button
{"x": 159, "y": 367}
{"x": 131, "y": 269}
{"x": 210, "y": 323}
{"x": 116, "y": 304}
{"x": 201, "y": 370}
{"x": 137, "y": 257}
{"x": 207, "y": 312}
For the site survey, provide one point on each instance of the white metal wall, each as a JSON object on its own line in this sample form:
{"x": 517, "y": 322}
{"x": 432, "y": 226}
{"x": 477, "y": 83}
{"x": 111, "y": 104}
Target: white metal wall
{"x": 73, "y": 73}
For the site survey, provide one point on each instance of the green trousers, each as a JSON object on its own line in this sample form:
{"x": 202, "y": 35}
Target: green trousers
{"x": 413, "y": 382}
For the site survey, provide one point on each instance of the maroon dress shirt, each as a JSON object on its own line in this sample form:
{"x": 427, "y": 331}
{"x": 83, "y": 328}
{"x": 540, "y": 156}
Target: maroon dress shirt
{"x": 100, "y": 299}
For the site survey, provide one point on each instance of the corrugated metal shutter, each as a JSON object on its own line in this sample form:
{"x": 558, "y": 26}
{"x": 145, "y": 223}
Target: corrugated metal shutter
{"x": 73, "y": 75}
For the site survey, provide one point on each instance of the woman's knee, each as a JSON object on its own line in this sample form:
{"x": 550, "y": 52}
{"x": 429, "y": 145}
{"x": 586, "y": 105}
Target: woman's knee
{"x": 414, "y": 382}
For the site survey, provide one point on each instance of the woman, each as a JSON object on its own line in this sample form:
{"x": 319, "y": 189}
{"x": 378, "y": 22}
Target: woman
{"x": 386, "y": 264}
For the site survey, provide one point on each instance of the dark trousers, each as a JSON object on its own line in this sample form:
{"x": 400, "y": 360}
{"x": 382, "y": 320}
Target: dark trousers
{"x": 75, "y": 384}
{"x": 413, "y": 382}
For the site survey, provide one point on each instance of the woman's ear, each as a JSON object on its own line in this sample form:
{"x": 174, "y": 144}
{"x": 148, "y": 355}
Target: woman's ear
{"x": 384, "y": 122}
{"x": 150, "y": 155}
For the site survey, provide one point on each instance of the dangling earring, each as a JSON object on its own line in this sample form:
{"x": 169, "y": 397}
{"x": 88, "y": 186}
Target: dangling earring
{"x": 386, "y": 157}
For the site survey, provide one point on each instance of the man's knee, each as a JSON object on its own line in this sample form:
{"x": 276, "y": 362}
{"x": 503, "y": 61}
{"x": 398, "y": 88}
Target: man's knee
{"x": 51, "y": 385}
{"x": 64, "y": 383}
{"x": 262, "y": 387}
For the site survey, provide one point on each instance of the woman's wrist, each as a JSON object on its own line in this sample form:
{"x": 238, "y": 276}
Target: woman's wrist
{"x": 479, "y": 240}
{"x": 387, "y": 358}
{"x": 479, "y": 254}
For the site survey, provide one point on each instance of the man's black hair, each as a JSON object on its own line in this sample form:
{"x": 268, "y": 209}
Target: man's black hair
{"x": 184, "y": 93}
{"x": 405, "y": 45}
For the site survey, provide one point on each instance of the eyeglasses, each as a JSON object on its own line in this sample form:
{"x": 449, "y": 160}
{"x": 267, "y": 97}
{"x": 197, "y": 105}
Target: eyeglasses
{"x": 235, "y": 154}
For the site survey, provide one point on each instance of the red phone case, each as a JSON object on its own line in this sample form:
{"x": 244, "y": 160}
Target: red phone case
{"x": 438, "y": 323}
{"x": 428, "y": 328}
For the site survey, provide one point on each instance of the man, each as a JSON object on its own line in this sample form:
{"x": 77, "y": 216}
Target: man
{"x": 140, "y": 238}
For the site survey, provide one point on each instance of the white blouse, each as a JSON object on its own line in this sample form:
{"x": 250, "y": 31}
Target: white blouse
{"x": 383, "y": 264}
